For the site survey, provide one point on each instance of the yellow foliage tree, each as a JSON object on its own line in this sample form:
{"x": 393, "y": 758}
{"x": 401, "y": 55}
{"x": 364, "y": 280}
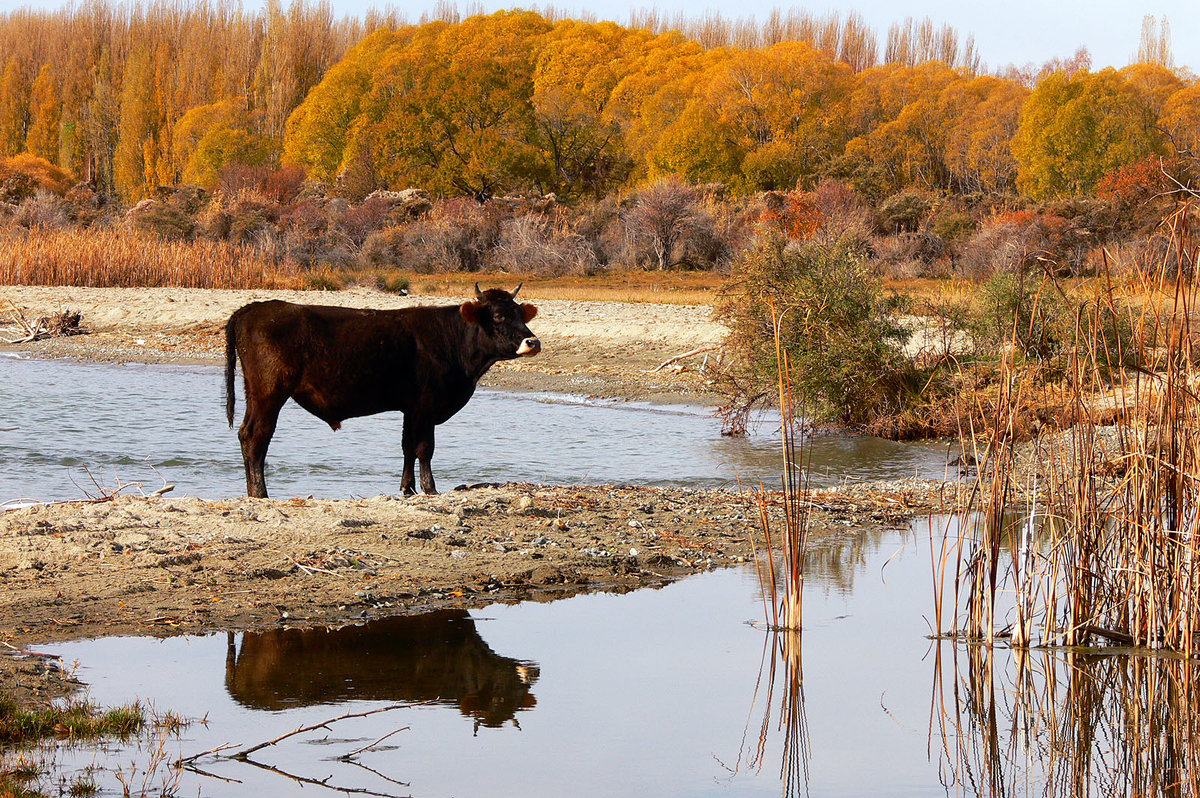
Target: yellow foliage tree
{"x": 136, "y": 130}
{"x": 646, "y": 102}
{"x": 573, "y": 82}
{"x": 222, "y": 146}
{"x": 983, "y": 113}
{"x": 45, "y": 110}
{"x": 769, "y": 117}
{"x": 14, "y": 105}
{"x": 1181, "y": 120}
{"x": 1074, "y": 130}
{"x": 452, "y": 109}
{"x": 318, "y": 130}
{"x": 912, "y": 115}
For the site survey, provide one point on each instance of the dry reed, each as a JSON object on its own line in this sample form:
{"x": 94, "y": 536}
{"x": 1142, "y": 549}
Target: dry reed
{"x": 783, "y": 584}
{"x": 126, "y": 259}
{"x": 1097, "y": 541}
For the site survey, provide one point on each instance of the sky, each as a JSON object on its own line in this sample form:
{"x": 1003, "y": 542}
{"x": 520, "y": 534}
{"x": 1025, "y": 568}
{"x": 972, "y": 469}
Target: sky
{"x": 1009, "y": 31}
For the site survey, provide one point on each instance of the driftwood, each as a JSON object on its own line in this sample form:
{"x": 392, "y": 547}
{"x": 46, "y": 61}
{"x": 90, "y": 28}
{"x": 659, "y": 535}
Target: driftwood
{"x": 59, "y": 324}
{"x": 244, "y": 754}
{"x": 106, "y": 494}
{"x": 677, "y": 358}
{"x": 352, "y": 754}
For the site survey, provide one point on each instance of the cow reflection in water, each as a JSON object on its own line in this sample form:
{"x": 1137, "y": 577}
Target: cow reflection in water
{"x": 436, "y": 656}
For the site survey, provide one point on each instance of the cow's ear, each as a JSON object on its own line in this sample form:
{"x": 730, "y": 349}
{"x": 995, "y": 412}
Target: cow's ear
{"x": 530, "y": 311}
{"x": 470, "y": 312}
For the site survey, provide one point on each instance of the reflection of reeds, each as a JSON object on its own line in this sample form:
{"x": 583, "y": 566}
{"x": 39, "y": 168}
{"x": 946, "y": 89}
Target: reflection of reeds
{"x": 783, "y": 585}
{"x": 780, "y": 670}
{"x": 1102, "y": 547}
{"x": 1065, "y": 723}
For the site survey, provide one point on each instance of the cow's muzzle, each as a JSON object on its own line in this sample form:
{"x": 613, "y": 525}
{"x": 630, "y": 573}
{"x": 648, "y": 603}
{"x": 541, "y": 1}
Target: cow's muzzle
{"x": 529, "y": 347}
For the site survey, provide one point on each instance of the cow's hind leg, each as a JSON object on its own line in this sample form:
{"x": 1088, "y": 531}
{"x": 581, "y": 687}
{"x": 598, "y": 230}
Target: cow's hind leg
{"x": 262, "y": 414}
{"x": 418, "y": 446}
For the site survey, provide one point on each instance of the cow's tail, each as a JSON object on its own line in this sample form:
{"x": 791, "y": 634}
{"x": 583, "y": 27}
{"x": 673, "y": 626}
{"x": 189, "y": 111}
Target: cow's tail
{"x": 230, "y": 364}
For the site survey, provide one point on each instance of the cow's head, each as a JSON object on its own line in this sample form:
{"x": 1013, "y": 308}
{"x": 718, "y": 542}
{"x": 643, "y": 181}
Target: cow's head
{"x": 497, "y": 313}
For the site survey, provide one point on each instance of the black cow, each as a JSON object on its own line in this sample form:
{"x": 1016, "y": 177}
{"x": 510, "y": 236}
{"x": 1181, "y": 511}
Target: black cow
{"x": 338, "y": 363}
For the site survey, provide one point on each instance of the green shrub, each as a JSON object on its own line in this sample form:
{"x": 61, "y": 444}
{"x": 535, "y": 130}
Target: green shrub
{"x": 837, "y": 328}
{"x": 903, "y": 212}
{"x": 953, "y": 226}
{"x": 1048, "y": 326}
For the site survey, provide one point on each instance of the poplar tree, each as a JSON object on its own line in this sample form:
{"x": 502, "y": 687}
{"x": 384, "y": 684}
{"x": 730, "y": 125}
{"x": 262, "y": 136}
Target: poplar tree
{"x": 135, "y": 131}
{"x": 45, "y": 113}
{"x": 14, "y": 108}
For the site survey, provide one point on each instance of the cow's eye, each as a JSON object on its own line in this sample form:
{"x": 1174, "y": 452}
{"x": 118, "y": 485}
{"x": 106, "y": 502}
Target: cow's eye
{"x": 498, "y": 317}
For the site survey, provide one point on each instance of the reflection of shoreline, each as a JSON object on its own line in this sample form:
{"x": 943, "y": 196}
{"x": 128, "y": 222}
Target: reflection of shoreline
{"x": 833, "y": 562}
{"x": 1058, "y": 722}
{"x": 436, "y": 656}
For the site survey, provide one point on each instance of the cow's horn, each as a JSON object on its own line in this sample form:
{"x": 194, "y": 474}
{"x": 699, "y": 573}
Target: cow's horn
{"x": 478, "y": 293}
{"x": 518, "y": 288}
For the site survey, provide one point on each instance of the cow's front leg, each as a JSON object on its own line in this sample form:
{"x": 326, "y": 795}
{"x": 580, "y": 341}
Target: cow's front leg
{"x": 417, "y": 443}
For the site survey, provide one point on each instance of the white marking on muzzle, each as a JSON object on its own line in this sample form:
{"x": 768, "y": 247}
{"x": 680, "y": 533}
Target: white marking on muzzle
{"x": 529, "y": 347}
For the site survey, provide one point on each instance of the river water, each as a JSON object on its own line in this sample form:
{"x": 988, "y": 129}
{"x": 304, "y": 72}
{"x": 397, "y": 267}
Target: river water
{"x": 86, "y": 426}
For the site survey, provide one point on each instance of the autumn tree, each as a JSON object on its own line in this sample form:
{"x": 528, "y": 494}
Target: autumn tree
{"x": 44, "y": 111}
{"x": 1154, "y": 46}
{"x": 133, "y": 158}
{"x": 767, "y": 119}
{"x": 451, "y": 110}
{"x": 317, "y": 132}
{"x": 1074, "y": 130}
{"x": 224, "y": 146}
{"x": 985, "y": 112}
{"x": 299, "y": 45}
{"x": 1180, "y": 121}
{"x": 573, "y": 82}
{"x": 14, "y": 108}
{"x": 901, "y": 128}
{"x": 652, "y": 96}
{"x": 210, "y": 137}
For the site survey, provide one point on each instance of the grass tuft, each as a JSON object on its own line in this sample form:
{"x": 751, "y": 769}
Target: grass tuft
{"x": 73, "y": 720}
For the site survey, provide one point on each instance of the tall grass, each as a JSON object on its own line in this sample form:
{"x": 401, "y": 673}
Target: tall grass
{"x": 1093, "y": 535}
{"x": 102, "y": 258}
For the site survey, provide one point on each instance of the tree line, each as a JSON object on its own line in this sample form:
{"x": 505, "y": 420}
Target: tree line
{"x": 130, "y": 97}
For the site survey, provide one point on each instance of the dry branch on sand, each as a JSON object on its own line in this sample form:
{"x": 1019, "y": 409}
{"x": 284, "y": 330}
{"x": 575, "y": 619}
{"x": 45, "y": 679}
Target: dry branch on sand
{"x": 55, "y": 325}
